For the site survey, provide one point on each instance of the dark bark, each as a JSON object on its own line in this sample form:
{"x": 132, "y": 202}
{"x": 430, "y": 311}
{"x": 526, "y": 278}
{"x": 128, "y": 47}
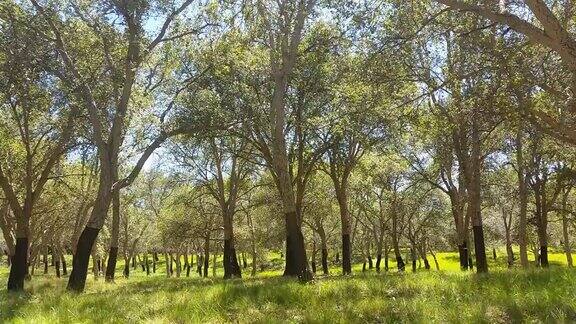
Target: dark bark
{"x": 142, "y": 264}
{"x": 126, "y": 268}
{"x": 494, "y": 253}
{"x": 199, "y": 265}
{"x": 111, "y": 266}
{"x": 206, "y": 255}
{"x": 463, "y": 254}
{"x": 45, "y": 260}
{"x": 77, "y": 280}
{"x": 56, "y": 263}
{"x": 325, "y": 261}
{"x": 378, "y": 261}
{"x": 479, "y": 249}
{"x": 296, "y": 261}
{"x": 64, "y": 267}
{"x": 544, "y": 256}
{"x": 147, "y": 263}
{"x": 386, "y": 262}
{"x": 370, "y": 263}
{"x": 400, "y": 263}
{"x": 346, "y": 255}
{"x": 19, "y": 266}
{"x": 231, "y": 266}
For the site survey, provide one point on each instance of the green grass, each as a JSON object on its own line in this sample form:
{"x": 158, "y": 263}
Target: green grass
{"x": 426, "y": 296}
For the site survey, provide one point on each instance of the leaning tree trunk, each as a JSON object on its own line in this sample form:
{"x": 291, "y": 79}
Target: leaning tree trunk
{"x": 81, "y": 258}
{"x": 113, "y": 254}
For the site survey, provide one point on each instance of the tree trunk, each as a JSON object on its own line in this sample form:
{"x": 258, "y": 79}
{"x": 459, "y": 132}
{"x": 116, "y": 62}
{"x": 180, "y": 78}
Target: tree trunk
{"x": 523, "y": 197}
{"x": 81, "y": 258}
{"x": 126, "y": 271}
{"x": 19, "y": 266}
{"x": 475, "y": 199}
{"x": 296, "y": 262}
{"x": 199, "y": 263}
{"x": 509, "y": 251}
{"x": 566, "y": 237}
{"x": 168, "y": 262}
{"x": 342, "y": 197}
{"x": 45, "y": 259}
{"x": 230, "y": 261}
{"x": 399, "y": 262}
{"x": 413, "y": 257}
{"x": 63, "y": 260}
{"x": 56, "y": 258}
{"x": 206, "y": 255}
{"x": 114, "y": 238}
{"x": 147, "y": 264}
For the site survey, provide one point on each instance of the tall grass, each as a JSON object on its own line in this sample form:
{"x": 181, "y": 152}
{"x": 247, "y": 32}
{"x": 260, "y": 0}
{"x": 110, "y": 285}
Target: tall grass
{"x": 426, "y": 296}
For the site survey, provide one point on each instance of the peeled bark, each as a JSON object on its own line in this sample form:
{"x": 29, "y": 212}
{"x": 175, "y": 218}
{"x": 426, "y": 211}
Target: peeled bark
{"x": 231, "y": 267}
{"x": 45, "y": 259}
{"x": 114, "y": 238}
{"x": 378, "y": 260}
{"x": 206, "y": 256}
{"x": 111, "y": 267}
{"x": 296, "y": 261}
{"x": 56, "y": 259}
{"x": 19, "y": 266}
{"x": 81, "y": 258}
{"x": 325, "y": 261}
{"x": 566, "y": 237}
{"x": 63, "y": 260}
{"x": 523, "y": 200}
{"x": 346, "y": 254}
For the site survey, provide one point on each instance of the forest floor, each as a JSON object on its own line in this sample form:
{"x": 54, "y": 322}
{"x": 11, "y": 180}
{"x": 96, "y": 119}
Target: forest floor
{"x": 425, "y": 296}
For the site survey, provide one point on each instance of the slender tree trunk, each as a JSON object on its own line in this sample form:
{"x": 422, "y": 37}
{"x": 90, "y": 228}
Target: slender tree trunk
{"x": 56, "y": 259}
{"x": 168, "y": 262}
{"x": 63, "y": 260}
{"x": 509, "y": 251}
{"x": 399, "y": 261}
{"x": 45, "y": 259}
{"x": 206, "y": 255}
{"x": 474, "y": 199}
{"x": 199, "y": 263}
{"x": 413, "y": 257}
{"x": 214, "y": 264}
{"x": 523, "y": 197}
{"x": 566, "y": 237}
{"x": 147, "y": 263}
{"x": 114, "y": 238}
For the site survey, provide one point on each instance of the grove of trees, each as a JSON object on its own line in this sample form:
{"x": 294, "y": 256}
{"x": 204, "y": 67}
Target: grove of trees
{"x": 321, "y": 133}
